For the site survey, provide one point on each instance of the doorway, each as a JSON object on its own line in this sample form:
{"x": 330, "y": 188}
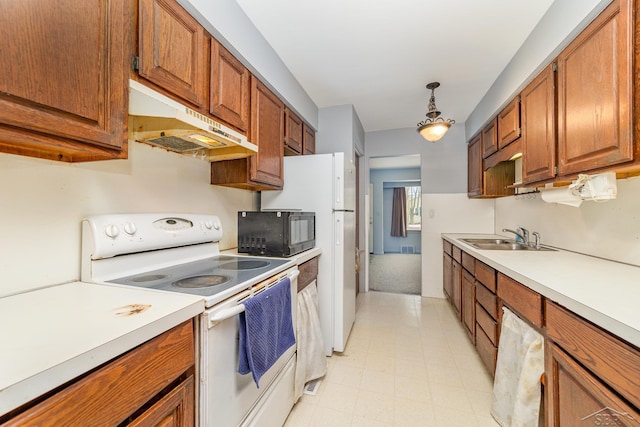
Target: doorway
{"x": 395, "y": 250}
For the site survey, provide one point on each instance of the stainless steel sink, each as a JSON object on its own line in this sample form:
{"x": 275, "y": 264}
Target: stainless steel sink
{"x": 503, "y": 245}
{"x": 483, "y": 241}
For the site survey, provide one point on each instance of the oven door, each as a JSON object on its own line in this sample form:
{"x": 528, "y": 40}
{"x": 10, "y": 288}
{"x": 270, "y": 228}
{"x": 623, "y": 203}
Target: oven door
{"x": 228, "y": 398}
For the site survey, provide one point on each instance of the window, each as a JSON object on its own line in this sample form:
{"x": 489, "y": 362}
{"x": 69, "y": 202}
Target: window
{"x": 414, "y": 208}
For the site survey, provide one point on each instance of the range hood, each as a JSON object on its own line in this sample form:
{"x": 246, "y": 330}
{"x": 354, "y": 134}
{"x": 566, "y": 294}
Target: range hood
{"x": 160, "y": 121}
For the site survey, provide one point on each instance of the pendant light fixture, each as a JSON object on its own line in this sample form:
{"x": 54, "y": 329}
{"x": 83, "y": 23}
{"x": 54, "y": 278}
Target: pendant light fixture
{"x": 434, "y": 126}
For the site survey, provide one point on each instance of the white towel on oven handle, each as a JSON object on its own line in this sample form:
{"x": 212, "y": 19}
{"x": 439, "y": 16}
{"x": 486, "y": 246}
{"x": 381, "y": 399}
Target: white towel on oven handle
{"x": 310, "y": 361}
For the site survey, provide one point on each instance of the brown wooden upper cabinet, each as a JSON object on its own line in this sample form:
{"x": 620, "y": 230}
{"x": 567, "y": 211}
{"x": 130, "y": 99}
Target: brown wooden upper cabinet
{"x": 509, "y": 123}
{"x": 264, "y": 170}
{"x": 595, "y": 93}
{"x": 538, "y": 105}
{"x": 490, "y": 138}
{"x": 172, "y": 49}
{"x": 474, "y": 163}
{"x": 230, "y": 86}
{"x": 308, "y": 140}
{"x": 293, "y": 133}
{"x": 64, "y": 79}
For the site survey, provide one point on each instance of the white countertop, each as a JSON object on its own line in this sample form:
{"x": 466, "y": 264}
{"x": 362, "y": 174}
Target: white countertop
{"x": 604, "y": 292}
{"x": 297, "y": 258}
{"x": 52, "y": 335}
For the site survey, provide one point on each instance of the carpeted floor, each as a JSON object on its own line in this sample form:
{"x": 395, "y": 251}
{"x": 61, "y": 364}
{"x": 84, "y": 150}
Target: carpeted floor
{"x": 398, "y": 273}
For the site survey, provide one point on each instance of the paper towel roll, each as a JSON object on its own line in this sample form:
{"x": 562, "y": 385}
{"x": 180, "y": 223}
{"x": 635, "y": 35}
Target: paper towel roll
{"x": 563, "y": 196}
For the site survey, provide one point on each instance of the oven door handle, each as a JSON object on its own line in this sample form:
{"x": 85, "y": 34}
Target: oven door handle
{"x": 225, "y": 314}
{"x": 230, "y": 312}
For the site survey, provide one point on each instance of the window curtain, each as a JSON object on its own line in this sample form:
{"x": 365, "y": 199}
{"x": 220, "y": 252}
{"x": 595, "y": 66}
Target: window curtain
{"x": 399, "y": 213}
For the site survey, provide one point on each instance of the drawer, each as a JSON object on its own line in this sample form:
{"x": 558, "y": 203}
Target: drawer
{"x": 447, "y": 247}
{"x": 487, "y": 351}
{"x": 468, "y": 263}
{"x": 487, "y": 299}
{"x": 486, "y": 275}
{"x": 487, "y": 323}
{"x": 526, "y": 302}
{"x": 609, "y": 358}
{"x": 457, "y": 254}
{"x": 308, "y": 273}
{"x": 112, "y": 393}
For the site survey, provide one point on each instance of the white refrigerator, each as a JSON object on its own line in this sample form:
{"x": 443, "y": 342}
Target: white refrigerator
{"x": 325, "y": 184}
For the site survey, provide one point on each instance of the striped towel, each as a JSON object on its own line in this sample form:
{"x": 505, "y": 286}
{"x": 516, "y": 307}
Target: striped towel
{"x": 266, "y": 330}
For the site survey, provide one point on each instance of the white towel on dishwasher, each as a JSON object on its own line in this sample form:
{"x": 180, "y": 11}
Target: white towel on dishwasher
{"x": 310, "y": 361}
{"x": 516, "y": 386}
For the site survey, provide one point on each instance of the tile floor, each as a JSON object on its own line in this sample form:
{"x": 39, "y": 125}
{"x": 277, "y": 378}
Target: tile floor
{"x": 408, "y": 362}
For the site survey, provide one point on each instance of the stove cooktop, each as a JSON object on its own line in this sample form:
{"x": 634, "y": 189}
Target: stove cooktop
{"x": 208, "y": 277}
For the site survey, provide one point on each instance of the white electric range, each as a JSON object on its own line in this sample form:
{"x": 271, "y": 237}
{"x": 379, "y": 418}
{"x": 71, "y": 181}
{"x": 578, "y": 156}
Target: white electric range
{"x": 180, "y": 253}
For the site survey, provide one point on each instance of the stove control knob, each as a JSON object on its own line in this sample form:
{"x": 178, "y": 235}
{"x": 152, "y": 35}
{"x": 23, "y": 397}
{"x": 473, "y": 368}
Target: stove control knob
{"x": 112, "y": 231}
{"x": 130, "y": 228}
{"x": 216, "y": 225}
{"x": 208, "y": 225}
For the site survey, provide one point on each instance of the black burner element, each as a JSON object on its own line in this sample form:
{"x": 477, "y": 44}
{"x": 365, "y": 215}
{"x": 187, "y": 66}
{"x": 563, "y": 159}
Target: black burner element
{"x": 201, "y": 281}
{"x": 149, "y": 278}
{"x": 244, "y": 265}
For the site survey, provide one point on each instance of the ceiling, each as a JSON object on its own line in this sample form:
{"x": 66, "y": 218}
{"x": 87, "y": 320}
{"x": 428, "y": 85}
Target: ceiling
{"x": 379, "y": 55}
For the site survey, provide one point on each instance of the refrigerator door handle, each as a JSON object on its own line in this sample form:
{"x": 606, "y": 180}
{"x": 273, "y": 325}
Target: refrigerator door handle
{"x": 339, "y": 232}
{"x": 338, "y": 190}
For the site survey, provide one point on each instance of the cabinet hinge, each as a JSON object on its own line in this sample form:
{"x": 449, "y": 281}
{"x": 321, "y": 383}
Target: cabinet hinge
{"x": 135, "y": 62}
{"x": 555, "y": 170}
{"x": 555, "y": 66}
{"x": 519, "y": 131}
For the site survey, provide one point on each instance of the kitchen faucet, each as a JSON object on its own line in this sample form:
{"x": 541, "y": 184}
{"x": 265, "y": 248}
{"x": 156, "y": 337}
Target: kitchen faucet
{"x": 522, "y": 233}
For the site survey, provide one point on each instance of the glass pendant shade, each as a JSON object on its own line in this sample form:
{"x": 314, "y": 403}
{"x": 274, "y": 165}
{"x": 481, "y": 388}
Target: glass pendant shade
{"x": 434, "y": 127}
{"x": 434, "y": 131}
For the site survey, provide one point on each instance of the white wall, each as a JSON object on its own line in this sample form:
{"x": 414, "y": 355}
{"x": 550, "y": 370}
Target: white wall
{"x": 448, "y": 213}
{"x": 339, "y": 130}
{"x": 562, "y": 23}
{"x": 42, "y": 204}
{"x": 608, "y": 230}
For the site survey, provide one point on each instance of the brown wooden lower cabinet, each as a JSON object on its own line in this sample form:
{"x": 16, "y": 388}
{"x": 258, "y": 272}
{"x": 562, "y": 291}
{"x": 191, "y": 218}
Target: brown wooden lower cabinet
{"x": 469, "y": 304}
{"x": 488, "y": 324}
{"x": 447, "y": 276}
{"x": 526, "y": 303}
{"x": 152, "y": 384}
{"x": 456, "y": 288}
{"x": 487, "y": 350}
{"x": 575, "y": 397}
{"x": 615, "y": 362}
{"x": 591, "y": 378}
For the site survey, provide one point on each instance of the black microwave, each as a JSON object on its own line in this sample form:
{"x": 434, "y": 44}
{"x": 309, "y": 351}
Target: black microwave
{"x": 276, "y": 233}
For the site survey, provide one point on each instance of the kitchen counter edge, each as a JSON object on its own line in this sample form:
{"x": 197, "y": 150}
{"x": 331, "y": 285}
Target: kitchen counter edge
{"x": 129, "y": 331}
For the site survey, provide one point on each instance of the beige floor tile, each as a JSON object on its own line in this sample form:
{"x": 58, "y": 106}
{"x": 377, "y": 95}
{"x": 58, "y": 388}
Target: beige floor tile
{"x": 411, "y": 413}
{"x": 413, "y": 389}
{"x": 447, "y": 417}
{"x": 344, "y": 374}
{"x": 444, "y": 376}
{"x": 408, "y": 362}
{"x": 327, "y": 417}
{"x": 378, "y": 382}
{"x": 412, "y": 368}
{"x": 338, "y": 396}
{"x": 375, "y": 406}
{"x": 480, "y": 402}
{"x": 451, "y": 397}
{"x": 380, "y": 363}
